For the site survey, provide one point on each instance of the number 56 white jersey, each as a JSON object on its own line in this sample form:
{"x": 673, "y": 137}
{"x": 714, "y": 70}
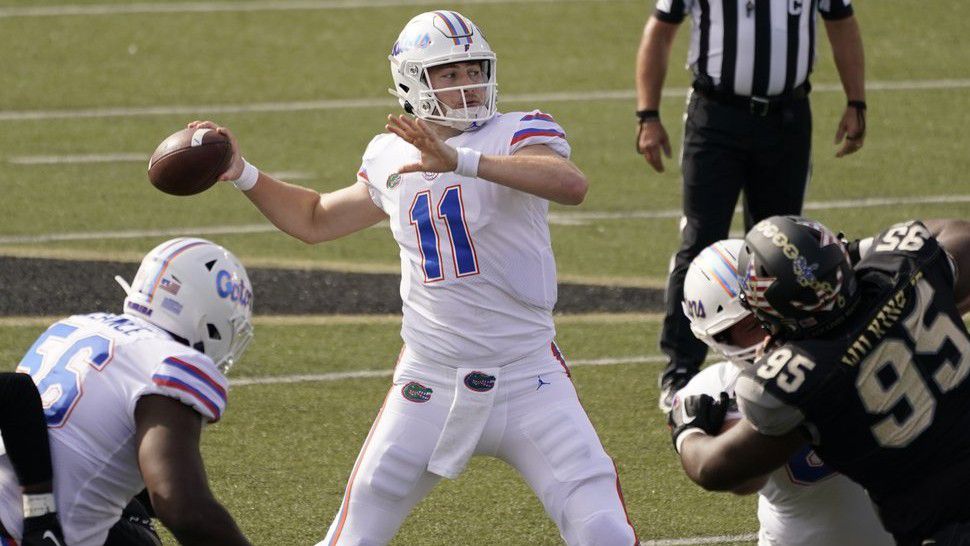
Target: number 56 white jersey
{"x": 478, "y": 274}
{"x": 91, "y": 370}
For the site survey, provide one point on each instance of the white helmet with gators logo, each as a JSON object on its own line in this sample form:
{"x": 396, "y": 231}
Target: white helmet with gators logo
{"x": 712, "y": 298}
{"x": 436, "y": 38}
{"x": 196, "y": 290}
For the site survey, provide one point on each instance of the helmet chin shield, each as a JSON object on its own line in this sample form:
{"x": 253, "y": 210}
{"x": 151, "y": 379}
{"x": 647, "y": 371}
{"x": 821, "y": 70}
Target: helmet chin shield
{"x": 440, "y": 38}
{"x": 198, "y": 291}
{"x": 712, "y": 301}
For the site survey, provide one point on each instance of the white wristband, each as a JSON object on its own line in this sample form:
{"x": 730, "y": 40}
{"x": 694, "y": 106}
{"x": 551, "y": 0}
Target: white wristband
{"x": 248, "y": 178}
{"x": 683, "y": 436}
{"x": 468, "y": 162}
{"x": 39, "y": 505}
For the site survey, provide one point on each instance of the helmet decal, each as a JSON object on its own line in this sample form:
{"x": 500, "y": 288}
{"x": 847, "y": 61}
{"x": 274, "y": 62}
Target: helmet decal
{"x": 754, "y": 290}
{"x": 455, "y": 28}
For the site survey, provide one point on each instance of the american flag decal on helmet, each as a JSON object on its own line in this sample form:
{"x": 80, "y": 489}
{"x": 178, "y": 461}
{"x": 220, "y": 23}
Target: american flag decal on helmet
{"x": 754, "y": 290}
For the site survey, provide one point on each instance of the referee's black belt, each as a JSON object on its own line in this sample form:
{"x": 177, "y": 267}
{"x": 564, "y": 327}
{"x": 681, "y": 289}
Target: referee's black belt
{"x": 757, "y": 106}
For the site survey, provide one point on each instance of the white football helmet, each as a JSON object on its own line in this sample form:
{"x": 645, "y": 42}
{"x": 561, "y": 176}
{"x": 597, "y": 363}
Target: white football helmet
{"x": 436, "y": 38}
{"x": 712, "y": 298}
{"x": 196, "y": 290}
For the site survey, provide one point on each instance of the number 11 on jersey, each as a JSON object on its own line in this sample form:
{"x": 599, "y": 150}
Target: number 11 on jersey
{"x": 451, "y": 210}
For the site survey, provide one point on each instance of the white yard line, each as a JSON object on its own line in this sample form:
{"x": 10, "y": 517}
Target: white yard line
{"x": 720, "y": 539}
{"x": 560, "y": 218}
{"x": 223, "y": 7}
{"x": 116, "y": 157}
{"x": 345, "y": 104}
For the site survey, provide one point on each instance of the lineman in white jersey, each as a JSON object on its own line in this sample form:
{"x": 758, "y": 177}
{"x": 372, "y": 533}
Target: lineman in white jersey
{"x": 125, "y": 397}
{"x": 803, "y": 503}
{"x": 465, "y": 190}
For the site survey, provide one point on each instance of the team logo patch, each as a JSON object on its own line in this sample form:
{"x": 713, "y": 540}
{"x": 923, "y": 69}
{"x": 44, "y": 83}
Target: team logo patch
{"x": 479, "y": 382}
{"x": 416, "y": 392}
{"x": 393, "y": 181}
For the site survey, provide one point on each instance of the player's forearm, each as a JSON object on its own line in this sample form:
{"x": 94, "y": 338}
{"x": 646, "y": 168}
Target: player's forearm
{"x": 547, "y": 176}
{"x": 652, "y": 58}
{"x": 203, "y": 525}
{"x": 954, "y": 237}
{"x": 705, "y": 466}
{"x": 24, "y": 432}
{"x": 847, "y": 50}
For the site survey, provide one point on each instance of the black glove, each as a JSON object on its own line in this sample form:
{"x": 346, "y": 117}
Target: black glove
{"x": 43, "y": 531}
{"x": 698, "y": 411}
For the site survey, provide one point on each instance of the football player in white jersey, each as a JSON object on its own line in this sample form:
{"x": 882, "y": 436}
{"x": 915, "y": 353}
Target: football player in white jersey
{"x": 803, "y": 503}
{"x": 125, "y": 398}
{"x": 466, "y": 191}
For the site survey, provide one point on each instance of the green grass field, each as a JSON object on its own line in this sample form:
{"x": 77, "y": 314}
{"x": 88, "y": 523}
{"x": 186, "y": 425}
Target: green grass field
{"x": 281, "y": 457}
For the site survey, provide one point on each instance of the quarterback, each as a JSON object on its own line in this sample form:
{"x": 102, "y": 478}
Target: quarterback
{"x": 125, "y": 397}
{"x": 805, "y": 502}
{"x": 466, "y": 190}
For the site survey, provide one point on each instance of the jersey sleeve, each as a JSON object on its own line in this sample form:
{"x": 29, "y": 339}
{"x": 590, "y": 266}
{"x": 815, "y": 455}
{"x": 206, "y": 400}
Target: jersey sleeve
{"x": 193, "y": 380}
{"x": 539, "y": 128}
{"x": 672, "y": 11}
{"x": 832, "y": 10}
{"x": 905, "y": 246}
{"x": 767, "y": 413}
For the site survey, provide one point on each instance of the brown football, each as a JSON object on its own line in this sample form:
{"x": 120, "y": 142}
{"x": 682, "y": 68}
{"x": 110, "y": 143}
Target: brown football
{"x": 189, "y": 161}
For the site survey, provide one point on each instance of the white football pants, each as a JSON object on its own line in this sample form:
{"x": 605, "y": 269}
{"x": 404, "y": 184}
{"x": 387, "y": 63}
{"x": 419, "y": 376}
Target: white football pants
{"x": 536, "y": 424}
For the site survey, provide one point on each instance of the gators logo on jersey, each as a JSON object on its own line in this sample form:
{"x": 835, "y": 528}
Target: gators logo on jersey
{"x": 416, "y": 392}
{"x": 479, "y": 382}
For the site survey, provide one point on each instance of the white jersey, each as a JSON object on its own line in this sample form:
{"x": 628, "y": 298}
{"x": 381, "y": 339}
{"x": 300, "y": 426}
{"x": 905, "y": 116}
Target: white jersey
{"x": 91, "y": 371}
{"x": 803, "y": 503}
{"x": 478, "y": 275}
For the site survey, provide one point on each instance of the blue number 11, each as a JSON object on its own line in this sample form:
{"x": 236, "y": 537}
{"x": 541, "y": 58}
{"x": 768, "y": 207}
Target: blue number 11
{"x": 452, "y": 211}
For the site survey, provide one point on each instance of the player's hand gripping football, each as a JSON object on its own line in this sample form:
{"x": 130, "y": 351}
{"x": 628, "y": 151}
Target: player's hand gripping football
{"x": 236, "y": 163}
{"x": 43, "y": 531}
{"x": 699, "y": 411}
{"x": 436, "y": 156}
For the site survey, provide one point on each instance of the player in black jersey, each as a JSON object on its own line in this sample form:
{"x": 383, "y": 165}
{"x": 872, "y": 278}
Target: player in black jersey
{"x": 868, "y": 364}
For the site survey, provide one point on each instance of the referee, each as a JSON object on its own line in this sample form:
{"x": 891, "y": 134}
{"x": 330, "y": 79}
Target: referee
{"x": 748, "y": 125}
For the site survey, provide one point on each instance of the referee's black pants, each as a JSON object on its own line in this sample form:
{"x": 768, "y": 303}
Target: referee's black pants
{"x": 727, "y": 149}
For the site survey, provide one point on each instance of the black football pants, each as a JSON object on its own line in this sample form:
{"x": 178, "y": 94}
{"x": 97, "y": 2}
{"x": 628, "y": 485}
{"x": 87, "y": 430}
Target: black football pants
{"x": 728, "y": 149}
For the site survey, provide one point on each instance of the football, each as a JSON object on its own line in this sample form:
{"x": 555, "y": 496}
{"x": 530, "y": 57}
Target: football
{"x": 189, "y": 161}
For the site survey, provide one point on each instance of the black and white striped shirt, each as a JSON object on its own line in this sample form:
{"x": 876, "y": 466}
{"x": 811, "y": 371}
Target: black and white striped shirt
{"x": 752, "y": 47}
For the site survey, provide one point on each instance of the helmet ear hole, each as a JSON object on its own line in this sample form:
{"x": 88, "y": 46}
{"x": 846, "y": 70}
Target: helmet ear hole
{"x": 213, "y": 331}
{"x": 199, "y": 346}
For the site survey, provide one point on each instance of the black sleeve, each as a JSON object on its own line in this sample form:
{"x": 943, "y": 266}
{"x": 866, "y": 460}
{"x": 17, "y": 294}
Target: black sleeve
{"x": 671, "y": 11}
{"x": 672, "y": 18}
{"x": 24, "y": 429}
{"x": 836, "y": 9}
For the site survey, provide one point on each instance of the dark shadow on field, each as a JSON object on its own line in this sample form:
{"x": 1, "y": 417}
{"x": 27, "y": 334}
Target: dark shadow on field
{"x": 36, "y": 286}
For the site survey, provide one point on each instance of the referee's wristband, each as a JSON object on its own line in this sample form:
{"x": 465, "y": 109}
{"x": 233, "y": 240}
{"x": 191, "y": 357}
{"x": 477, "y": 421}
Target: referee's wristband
{"x": 648, "y": 115}
{"x": 248, "y": 178}
{"x": 857, "y": 104}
